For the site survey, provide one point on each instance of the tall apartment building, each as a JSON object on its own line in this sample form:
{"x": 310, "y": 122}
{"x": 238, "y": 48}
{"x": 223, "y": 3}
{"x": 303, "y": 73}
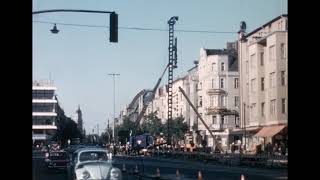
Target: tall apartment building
{"x": 263, "y": 82}
{"x": 160, "y": 101}
{"x": 218, "y": 93}
{"x": 43, "y": 111}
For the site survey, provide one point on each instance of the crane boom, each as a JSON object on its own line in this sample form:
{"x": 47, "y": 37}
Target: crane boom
{"x": 195, "y": 110}
{"x": 145, "y": 104}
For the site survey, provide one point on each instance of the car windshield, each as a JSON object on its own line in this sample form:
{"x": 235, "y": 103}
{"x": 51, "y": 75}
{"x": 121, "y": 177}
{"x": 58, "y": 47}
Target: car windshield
{"x": 93, "y": 156}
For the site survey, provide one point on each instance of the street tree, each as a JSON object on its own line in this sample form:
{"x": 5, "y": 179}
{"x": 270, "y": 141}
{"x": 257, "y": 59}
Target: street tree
{"x": 178, "y": 128}
{"x": 152, "y": 124}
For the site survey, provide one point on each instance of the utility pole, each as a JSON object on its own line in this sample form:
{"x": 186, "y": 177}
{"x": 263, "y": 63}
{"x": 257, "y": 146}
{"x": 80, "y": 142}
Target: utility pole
{"x": 114, "y": 103}
{"x": 172, "y": 64}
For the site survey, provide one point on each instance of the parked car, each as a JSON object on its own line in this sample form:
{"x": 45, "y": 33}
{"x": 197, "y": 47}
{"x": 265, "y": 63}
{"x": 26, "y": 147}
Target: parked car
{"x": 92, "y": 163}
{"x": 57, "y": 160}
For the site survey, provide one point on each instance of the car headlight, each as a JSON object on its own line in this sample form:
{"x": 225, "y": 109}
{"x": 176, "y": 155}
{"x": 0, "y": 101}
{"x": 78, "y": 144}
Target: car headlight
{"x": 115, "y": 174}
{"x": 85, "y": 175}
{"x": 47, "y": 154}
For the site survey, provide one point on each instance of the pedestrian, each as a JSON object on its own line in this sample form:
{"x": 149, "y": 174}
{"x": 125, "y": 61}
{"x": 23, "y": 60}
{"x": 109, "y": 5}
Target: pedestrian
{"x": 283, "y": 148}
{"x": 269, "y": 148}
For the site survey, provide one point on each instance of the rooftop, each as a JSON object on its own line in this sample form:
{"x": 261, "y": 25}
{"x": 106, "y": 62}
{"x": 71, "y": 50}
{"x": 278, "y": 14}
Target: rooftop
{"x": 266, "y": 24}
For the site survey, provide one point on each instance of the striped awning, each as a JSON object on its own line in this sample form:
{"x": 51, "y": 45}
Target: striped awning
{"x": 270, "y": 131}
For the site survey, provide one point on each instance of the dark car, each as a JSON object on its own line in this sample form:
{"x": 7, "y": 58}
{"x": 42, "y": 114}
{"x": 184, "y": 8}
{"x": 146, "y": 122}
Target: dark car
{"x": 57, "y": 160}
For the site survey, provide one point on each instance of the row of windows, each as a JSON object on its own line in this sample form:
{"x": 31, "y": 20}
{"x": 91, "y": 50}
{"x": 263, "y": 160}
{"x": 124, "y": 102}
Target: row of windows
{"x": 272, "y": 57}
{"x": 42, "y": 121}
{"x": 225, "y": 121}
{"x": 42, "y": 94}
{"x": 223, "y": 99}
{"x": 40, "y": 107}
{"x": 272, "y": 78}
{"x": 272, "y": 107}
{"x": 221, "y": 84}
{"x": 222, "y": 67}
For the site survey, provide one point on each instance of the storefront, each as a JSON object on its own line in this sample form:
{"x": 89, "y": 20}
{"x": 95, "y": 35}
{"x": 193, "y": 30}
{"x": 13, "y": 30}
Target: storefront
{"x": 274, "y": 134}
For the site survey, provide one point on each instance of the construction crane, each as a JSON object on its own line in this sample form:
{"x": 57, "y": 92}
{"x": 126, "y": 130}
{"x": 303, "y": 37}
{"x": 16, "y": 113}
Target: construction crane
{"x": 172, "y": 64}
{"x": 199, "y": 116}
{"x": 147, "y": 98}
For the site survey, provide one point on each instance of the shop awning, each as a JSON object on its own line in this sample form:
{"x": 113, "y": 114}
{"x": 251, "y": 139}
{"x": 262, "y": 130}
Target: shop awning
{"x": 270, "y": 131}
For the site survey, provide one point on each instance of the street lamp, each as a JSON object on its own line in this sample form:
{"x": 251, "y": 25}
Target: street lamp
{"x": 114, "y": 103}
{"x": 54, "y": 30}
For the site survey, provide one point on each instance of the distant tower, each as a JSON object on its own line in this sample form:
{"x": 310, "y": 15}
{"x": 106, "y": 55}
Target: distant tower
{"x": 79, "y": 119}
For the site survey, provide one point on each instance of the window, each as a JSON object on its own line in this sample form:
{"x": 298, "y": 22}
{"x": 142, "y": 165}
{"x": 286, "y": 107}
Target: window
{"x": 262, "y": 109}
{"x": 253, "y": 109}
{"x": 236, "y": 101}
{"x": 283, "y": 106}
{"x": 247, "y": 67}
{"x": 222, "y": 119}
{"x": 282, "y": 51}
{"x": 262, "y": 84}
{"x": 221, "y": 83}
{"x": 261, "y": 59}
{"x": 272, "y": 80}
{"x": 212, "y": 85}
{"x": 272, "y": 53}
{"x": 223, "y": 100}
{"x": 200, "y": 101}
{"x": 283, "y": 78}
{"x": 213, "y": 66}
{"x": 222, "y": 66}
{"x": 215, "y": 101}
{"x": 214, "y": 120}
{"x": 273, "y": 107}
{"x": 199, "y": 86}
{"x": 236, "y": 83}
{"x": 237, "y": 121}
{"x": 253, "y": 61}
{"x": 253, "y": 85}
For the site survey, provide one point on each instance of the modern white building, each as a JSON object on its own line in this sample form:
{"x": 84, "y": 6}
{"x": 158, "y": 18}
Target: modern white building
{"x": 43, "y": 111}
{"x": 263, "y": 82}
{"x": 218, "y": 93}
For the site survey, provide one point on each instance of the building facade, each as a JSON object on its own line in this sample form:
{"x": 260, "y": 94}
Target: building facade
{"x": 263, "y": 82}
{"x": 43, "y": 111}
{"x": 218, "y": 94}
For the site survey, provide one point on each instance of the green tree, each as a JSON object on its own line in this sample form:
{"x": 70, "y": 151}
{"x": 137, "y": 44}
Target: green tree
{"x": 178, "y": 128}
{"x": 152, "y": 124}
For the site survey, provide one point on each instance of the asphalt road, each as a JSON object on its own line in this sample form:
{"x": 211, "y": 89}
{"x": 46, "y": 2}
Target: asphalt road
{"x": 147, "y": 168}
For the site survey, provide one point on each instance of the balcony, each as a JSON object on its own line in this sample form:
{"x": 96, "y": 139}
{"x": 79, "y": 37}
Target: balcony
{"x": 221, "y": 110}
{"x": 218, "y": 127}
{"x": 215, "y": 110}
{"x": 216, "y": 92}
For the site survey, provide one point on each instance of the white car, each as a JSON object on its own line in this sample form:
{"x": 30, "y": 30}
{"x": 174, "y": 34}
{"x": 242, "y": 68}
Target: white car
{"x": 92, "y": 164}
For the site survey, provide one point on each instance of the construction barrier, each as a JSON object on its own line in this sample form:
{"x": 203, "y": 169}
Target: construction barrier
{"x": 261, "y": 160}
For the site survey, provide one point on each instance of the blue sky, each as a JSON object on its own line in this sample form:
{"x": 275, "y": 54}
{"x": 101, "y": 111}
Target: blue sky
{"x": 78, "y": 59}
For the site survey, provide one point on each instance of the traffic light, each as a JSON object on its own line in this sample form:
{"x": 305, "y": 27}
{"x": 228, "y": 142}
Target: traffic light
{"x": 113, "y": 27}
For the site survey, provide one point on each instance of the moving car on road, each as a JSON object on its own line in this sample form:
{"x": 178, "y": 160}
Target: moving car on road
{"x": 92, "y": 163}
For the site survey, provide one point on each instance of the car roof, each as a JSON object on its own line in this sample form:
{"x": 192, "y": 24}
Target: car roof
{"x": 90, "y": 149}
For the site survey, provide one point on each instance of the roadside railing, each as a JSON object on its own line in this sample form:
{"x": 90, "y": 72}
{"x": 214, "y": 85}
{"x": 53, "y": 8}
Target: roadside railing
{"x": 254, "y": 160}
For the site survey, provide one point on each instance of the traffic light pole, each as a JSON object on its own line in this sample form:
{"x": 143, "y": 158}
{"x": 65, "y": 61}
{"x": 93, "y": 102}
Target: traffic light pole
{"x": 113, "y": 19}
{"x": 71, "y": 10}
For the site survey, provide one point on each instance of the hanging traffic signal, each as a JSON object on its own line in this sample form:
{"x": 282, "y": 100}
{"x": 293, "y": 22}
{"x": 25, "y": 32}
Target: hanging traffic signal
{"x": 113, "y": 27}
